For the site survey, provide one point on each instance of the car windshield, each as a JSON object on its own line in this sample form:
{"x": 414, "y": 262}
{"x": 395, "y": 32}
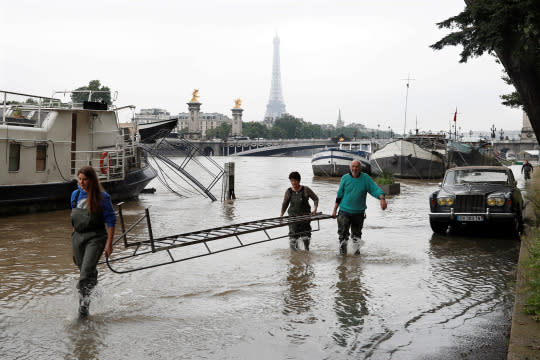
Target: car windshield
{"x": 458, "y": 177}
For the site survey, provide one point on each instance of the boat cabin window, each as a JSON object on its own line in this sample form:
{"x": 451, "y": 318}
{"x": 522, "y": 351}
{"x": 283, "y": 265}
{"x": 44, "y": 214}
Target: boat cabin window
{"x": 460, "y": 177}
{"x": 41, "y": 156}
{"x": 14, "y": 157}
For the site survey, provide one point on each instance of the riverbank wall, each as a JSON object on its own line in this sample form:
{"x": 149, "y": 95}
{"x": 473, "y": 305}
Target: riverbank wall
{"x": 524, "y": 343}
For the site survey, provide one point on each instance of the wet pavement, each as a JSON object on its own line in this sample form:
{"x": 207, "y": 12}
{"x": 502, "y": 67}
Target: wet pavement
{"x": 409, "y": 295}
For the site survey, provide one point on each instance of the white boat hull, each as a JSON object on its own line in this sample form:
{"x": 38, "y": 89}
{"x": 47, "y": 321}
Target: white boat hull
{"x": 335, "y": 162}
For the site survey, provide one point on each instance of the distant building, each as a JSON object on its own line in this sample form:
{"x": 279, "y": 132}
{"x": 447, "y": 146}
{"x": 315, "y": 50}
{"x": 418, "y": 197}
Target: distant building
{"x": 208, "y": 121}
{"x": 149, "y": 115}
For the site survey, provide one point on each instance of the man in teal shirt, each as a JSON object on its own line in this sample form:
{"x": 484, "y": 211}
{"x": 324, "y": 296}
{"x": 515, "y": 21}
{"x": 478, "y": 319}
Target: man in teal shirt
{"x": 351, "y": 200}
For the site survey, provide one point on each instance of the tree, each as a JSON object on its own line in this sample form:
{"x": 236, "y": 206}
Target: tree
{"x": 509, "y": 29}
{"x": 221, "y": 132}
{"x": 289, "y": 124}
{"x": 291, "y": 127}
{"x": 277, "y": 133}
{"x": 99, "y": 93}
{"x": 254, "y": 130}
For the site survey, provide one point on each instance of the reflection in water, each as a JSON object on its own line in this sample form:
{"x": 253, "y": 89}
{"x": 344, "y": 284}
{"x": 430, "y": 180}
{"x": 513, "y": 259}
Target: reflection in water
{"x": 300, "y": 281}
{"x": 228, "y": 210}
{"x": 472, "y": 267}
{"x": 298, "y": 300}
{"x": 350, "y": 301}
{"x": 86, "y": 339}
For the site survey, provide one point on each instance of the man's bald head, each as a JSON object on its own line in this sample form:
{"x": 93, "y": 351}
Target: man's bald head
{"x": 356, "y": 168}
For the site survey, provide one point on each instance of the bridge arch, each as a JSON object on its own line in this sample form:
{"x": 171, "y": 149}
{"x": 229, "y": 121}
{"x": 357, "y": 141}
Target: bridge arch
{"x": 208, "y": 151}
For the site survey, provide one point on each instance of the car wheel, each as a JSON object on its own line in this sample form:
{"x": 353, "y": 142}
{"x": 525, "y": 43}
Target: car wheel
{"x": 438, "y": 227}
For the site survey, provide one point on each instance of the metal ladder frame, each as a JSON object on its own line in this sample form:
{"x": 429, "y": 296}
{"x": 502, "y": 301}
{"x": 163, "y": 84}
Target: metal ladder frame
{"x": 167, "y": 243}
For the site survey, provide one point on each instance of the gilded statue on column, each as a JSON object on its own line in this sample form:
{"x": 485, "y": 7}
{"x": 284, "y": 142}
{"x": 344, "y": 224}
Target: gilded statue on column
{"x": 237, "y": 103}
{"x": 195, "y": 97}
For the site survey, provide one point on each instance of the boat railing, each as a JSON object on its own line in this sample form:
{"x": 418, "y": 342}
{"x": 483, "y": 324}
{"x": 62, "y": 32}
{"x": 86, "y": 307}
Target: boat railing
{"x": 108, "y": 163}
{"x": 111, "y": 163}
{"x": 25, "y": 109}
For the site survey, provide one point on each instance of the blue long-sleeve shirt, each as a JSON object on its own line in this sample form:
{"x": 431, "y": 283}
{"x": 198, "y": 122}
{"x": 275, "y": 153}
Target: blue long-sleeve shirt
{"x": 352, "y": 192}
{"x": 108, "y": 212}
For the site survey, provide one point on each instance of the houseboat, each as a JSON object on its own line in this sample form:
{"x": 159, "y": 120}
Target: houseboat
{"x": 43, "y": 142}
{"x": 405, "y": 159}
{"x": 336, "y": 161}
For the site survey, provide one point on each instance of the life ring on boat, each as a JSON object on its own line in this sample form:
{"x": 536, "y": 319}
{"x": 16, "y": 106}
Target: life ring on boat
{"x": 104, "y": 167}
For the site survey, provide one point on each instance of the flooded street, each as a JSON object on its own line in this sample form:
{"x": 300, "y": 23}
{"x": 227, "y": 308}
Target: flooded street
{"x": 409, "y": 295}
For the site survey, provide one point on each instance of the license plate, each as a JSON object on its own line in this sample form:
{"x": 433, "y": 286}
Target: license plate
{"x": 470, "y": 218}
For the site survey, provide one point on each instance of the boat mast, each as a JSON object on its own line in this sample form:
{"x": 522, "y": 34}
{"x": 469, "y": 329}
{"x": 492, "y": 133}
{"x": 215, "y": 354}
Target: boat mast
{"x": 406, "y": 99}
{"x": 404, "y": 123}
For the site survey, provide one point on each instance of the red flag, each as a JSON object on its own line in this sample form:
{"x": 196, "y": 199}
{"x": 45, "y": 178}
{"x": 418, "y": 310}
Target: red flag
{"x": 455, "y": 115}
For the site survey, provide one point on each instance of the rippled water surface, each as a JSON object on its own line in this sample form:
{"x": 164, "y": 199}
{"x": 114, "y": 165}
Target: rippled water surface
{"x": 409, "y": 295}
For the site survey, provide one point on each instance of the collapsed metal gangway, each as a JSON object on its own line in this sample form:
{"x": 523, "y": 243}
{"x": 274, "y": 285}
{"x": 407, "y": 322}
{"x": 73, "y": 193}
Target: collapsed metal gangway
{"x": 153, "y": 252}
{"x": 191, "y": 150}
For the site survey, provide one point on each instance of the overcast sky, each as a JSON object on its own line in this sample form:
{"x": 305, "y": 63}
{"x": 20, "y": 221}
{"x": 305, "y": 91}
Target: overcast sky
{"x": 351, "y": 55}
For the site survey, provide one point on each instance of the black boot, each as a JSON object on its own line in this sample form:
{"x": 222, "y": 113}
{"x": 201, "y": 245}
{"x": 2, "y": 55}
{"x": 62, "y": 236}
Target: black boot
{"x": 306, "y": 244}
{"x": 84, "y": 304}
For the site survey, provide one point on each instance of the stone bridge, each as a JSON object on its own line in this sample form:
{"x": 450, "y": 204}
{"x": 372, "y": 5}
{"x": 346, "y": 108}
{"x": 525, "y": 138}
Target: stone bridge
{"x": 254, "y": 147}
{"x": 516, "y": 146}
{"x": 264, "y": 147}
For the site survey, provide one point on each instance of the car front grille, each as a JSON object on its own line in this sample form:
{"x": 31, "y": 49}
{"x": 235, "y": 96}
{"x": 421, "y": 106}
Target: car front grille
{"x": 470, "y": 203}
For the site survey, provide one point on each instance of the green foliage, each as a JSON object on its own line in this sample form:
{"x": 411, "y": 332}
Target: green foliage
{"x": 17, "y": 112}
{"x": 99, "y": 93}
{"x": 532, "y": 266}
{"x": 277, "y": 133}
{"x": 385, "y": 178}
{"x": 509, "y": 29}
{"x": 290, "y": 127}
{"x": 490, "y": 25}
{"x": 255, "y": 130}
{"x": 221, "y": 132}
{"x": 513, "y": 99}
{"x": 31, "y": 101}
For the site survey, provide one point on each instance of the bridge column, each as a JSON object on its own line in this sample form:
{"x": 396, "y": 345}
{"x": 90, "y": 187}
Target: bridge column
{"x": 194, "y": 122}
{"x": 237, "y": 119}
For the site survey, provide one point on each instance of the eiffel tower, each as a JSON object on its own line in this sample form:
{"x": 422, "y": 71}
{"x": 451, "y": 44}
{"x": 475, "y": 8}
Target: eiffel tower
{"x": 275, "y": 107}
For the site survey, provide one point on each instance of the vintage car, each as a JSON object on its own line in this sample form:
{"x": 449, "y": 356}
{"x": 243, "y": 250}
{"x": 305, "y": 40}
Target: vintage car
{"x": 480, "y": 195}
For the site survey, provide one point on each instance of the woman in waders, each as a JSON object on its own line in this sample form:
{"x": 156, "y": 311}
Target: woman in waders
{"x": 91, "y": 209}
{"x": 297, "y": 200}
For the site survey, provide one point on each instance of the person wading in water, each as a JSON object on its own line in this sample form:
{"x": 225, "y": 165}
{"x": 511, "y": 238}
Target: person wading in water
{"x": 91, "y": 209}
{"x": 527, "y": 168}
{"x": 351, "y": 200}
{"x": 297, "y": 200}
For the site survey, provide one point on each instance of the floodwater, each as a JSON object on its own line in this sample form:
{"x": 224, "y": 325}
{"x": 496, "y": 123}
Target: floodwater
{"x": 409, "y": 295}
